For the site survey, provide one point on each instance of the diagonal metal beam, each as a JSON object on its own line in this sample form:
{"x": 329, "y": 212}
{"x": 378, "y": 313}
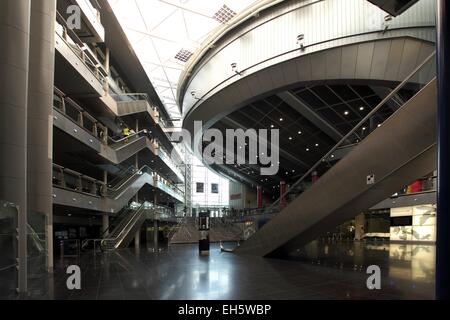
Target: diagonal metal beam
{"x": 234, "y": 124}
{"x": 311, "y": 115}
{"x": 395, "y": 103}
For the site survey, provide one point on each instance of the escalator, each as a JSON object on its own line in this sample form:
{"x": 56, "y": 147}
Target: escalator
{"x": 122, "y": 235}
{"x": 67, "y": 119}
{"x": 87, "y": 193}
{"x": 400, "y": 151}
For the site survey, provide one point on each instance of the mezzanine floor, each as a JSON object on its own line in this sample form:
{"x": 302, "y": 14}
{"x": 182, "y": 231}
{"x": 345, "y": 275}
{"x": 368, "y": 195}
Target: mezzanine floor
{"x": 326, "y": 271}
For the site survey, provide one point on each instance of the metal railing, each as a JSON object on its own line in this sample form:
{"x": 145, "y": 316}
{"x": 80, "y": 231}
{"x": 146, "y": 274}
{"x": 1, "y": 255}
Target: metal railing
{"x": 77, "y": 114}
{"x": 69, "y": 179}
{"x": 123, "y": 230}
{"x": 81, "y": 49}
{"x": 420, "y": 77}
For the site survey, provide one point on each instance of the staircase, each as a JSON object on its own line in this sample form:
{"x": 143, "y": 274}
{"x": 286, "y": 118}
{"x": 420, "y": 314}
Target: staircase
{"x": 221, "y": 231}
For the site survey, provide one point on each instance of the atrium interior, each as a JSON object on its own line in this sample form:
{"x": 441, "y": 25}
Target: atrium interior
{"x": 224, "y": 150}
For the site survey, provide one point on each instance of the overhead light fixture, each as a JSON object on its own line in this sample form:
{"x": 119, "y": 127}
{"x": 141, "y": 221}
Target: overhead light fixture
{"x": 290, "y": 138}
{"x": 346, "y": 113}
{"x": 234, "y": 68}
{"x": 300, "y": 41}
{"x": 299, "y": 132}
{"x": 361, "y": 108}
{"x": 281, "y": 119}
{"x": 272, "y": 126}
{"x": 307, "y": 149}
{"x": 387, "y": 20}
{"x": 194, "y": 95}
{"x": 317, "y": 144}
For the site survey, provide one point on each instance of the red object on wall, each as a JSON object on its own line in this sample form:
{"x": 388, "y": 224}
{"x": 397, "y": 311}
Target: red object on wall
{"x": 259, "y": 197}
{"x": 416, "y": 186}
{"x": 283, "y": 190}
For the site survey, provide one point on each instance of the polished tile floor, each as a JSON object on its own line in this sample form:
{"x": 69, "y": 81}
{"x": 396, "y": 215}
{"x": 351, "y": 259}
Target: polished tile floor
{"x": 321, "y": 271}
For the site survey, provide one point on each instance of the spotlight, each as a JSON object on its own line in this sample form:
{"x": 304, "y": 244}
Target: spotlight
{"x": 234, "y": 68}
{"x": 300, "y": 39}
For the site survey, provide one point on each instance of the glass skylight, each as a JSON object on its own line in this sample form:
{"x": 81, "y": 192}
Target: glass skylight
{"x": 166, "y": 33}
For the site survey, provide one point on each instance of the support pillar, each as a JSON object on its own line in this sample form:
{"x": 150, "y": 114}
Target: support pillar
{"x": 155, "y": 233}
{"x": 105, "y": 225}
{"x": 283, "y": 189}
{"x": 443, "y": 209}
{"x": 314, "y": 177}
{"x": 137, "y": 240}
{"x": 14, "y": 64}
{"x": 259, "y": 197}
{"x": 40, "y": 119}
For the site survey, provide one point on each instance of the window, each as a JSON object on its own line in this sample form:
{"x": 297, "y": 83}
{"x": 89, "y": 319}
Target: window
{"x": 214, "y": 188}
{"x": 401, "y": 221}
{"x": 200, "y": 187}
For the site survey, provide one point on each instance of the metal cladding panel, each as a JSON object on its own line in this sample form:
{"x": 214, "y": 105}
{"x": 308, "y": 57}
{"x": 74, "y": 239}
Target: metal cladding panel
{"x": 272, "y": 38}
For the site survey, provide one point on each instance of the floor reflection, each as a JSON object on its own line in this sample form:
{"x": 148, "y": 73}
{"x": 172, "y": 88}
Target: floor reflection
{"x": 325, "y": 271}
{"x": 415, "y": 262}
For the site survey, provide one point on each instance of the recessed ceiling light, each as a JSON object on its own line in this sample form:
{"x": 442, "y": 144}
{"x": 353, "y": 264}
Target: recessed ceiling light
{"x": 299, "y": 132}
{"x": 364, "y": 128}
{"x": 317, "y": 144}
{"x": 379, "y": 125}
{"x": 281, "y": 119}
{"x": 361, "y": 108}
{"x": 290, "y": 138}
{"x": 272, "y": 126}
{"x": 346, "y": 113}
{"x": 307, "y": 149}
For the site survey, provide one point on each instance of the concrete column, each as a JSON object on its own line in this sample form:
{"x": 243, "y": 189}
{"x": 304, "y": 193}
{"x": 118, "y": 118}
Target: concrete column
{"x": 137, "y": 239}
{"x": 105, "y": 225}
{"x": 136, "y": 165}
{"x": 14, "y": 63}
{"x": 107, "y": 58}
{"x": 40, "y": 116}
{"x": 155, "y": 233}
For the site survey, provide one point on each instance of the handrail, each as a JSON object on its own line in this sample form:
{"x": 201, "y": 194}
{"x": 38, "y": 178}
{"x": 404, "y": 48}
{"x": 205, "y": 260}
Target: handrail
{"x": 144, "y": 131}
{"x": 138, "y": 212}
{"x": 99, "y": 70}
{"x": 361, "y": 123}
{"x": 138, "y": 172}
{"x": 97, "y": 125}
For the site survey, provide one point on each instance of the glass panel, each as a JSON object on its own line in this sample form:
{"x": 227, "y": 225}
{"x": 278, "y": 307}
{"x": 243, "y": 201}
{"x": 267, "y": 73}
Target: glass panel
{"x": 37, "y": 253}
{"x": 8, "y": 249}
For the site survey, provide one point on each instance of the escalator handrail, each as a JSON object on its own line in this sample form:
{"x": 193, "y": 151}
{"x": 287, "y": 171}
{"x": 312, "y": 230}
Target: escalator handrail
{"x": 361, "y": 123}
{"x": 140, "y": 171}
{"x": 144, "y": 131}
{"x": 138, "y": 213}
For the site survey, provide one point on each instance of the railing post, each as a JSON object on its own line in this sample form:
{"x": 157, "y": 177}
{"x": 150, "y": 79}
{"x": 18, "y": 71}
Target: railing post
{"x": 63, "y": 104}
{"x": 80, "y": 118}
{"x": 95, "y": 129}
{"x": 63, "y": 178}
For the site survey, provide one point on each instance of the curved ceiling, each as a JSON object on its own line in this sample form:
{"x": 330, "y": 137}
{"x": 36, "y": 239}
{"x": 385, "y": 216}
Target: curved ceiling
{"x": 166, "y": 33}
